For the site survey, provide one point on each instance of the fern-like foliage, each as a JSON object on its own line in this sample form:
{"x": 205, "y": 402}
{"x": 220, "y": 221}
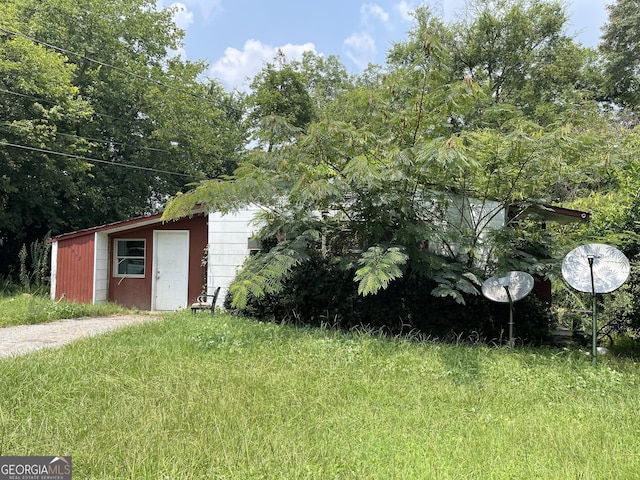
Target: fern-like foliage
{"x": 378, "y": 267}
{"x": 454, "y": 283}
{"x": 265, "y": 273}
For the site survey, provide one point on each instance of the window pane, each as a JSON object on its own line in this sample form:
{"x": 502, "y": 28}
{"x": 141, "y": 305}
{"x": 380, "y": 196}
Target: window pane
{"x": 122, "y": 248}
{"x": 131, "y": 248}
{"x": 135, "y": 248}
{"x": 131, "y": 266}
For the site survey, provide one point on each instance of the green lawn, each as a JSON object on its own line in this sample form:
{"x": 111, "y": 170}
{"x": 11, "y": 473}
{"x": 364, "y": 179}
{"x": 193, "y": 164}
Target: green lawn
{"x": 227, "y": 398}
{"x": 28, "y": 309}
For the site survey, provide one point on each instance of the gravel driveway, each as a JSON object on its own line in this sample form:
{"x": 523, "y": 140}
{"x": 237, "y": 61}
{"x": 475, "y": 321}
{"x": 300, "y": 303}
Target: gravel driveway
{"x": 23, "y": 339}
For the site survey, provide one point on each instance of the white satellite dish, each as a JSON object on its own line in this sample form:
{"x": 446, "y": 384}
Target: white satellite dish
{"x": 509, "y": 288}
{"x": 595, "y": 268}
{"x": 609, "y": 265}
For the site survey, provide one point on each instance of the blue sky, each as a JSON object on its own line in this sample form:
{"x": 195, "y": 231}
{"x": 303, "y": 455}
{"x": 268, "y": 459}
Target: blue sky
{"x": 236, "y": 37}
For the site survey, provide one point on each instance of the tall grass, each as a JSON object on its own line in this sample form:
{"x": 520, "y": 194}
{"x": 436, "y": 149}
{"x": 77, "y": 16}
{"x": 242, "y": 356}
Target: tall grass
{"x": 27, "y": 309}
{"x": 201, "y": 397}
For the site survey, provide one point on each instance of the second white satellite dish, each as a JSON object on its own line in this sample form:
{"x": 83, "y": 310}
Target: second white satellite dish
{"x": 609, "y": 265}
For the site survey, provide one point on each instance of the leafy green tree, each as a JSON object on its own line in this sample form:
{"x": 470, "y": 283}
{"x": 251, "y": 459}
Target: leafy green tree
{"x": 280, "y": 105}
{"x": 391, "y": 185}
{"x": 138, "y": 121}
{"x": 518, "y": 51}
{"x": 620, "y": 48}
{"x": 200, "y": 128}
{"x": 326, "y": 78}
{"x": 39, "y": 105}
{"x": 141, "y": 96}
{"x": 615, "y": 217}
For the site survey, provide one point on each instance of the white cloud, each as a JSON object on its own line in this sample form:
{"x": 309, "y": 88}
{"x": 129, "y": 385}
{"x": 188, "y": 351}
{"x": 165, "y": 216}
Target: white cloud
{"x": 182, "y": 17}
{"x": 361, "y": 49}
{"x": 187, "y": 7}
{"x": 405, "y": 9}
{"x": 238, "y": 66}
{"x": 370, "y": 12}
{"x": 206, "y": 7}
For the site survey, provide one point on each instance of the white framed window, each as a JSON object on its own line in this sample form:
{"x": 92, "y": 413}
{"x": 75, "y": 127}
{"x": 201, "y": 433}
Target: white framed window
{"x": 129, "y": 257}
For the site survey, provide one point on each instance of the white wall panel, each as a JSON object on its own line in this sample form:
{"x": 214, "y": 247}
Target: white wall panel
{"x": 54, "y": 269}
{"x": 228, "y": 247}
{"x": 101, "y": 268}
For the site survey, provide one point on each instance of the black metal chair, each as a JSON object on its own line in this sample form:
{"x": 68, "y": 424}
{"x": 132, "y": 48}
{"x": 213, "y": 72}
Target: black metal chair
{"x": 206, "y": 302}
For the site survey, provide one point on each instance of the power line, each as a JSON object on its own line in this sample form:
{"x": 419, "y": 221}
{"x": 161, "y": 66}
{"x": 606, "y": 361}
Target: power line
{"x": 39, "y": 99}
{"x": 108, "y": 142}
{"x": 80, "y": 157}
{"x": 52, "y": 102}
{"x": 108, "y": 65}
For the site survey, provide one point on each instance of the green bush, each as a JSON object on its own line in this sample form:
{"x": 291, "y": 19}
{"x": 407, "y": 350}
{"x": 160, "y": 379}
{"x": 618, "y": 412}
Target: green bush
{"x": 619, "y": 312}
{"x": 627, "y": 307}
{"x": 319, "y": 293}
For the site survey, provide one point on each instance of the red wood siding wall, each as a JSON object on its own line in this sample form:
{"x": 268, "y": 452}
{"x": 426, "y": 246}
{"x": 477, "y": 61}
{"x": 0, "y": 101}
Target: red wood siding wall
{"x": 74, "y": 278}
{"x": 136, "y": 292}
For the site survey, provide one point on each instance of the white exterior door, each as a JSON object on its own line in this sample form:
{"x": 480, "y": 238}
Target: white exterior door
{"x": 171, "y": 269}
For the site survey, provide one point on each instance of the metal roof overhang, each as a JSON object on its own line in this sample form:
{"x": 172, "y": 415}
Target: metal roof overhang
{"x": 120, "y": 226}
{"x": 551, "y": 213}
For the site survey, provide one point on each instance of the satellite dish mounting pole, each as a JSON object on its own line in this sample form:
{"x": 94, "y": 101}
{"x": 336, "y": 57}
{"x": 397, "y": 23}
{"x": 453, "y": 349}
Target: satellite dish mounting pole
{"x": 582, "y": 272}
{"x": 506, "y": 287}
{"x": 594, "y": 317}
{"x": 512, "y": 287}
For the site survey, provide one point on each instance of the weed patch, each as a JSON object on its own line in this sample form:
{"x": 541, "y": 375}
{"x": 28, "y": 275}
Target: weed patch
{"x": 27, "y": 309}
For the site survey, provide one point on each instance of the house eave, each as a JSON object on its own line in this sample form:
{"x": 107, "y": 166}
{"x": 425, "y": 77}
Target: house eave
{"x": 120, "y": 226}
{"x": 550, "y": 213}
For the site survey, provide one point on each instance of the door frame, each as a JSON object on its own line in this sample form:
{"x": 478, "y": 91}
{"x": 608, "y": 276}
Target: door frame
{"x": 155, "y": 263}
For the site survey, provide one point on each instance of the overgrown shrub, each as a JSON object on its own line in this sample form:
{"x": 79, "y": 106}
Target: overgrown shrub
{"x": 319, "y": 293}
{"x": 619, "y": 312}
{"x": 625, "y": 345}
{"x": 34, "y": 266}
